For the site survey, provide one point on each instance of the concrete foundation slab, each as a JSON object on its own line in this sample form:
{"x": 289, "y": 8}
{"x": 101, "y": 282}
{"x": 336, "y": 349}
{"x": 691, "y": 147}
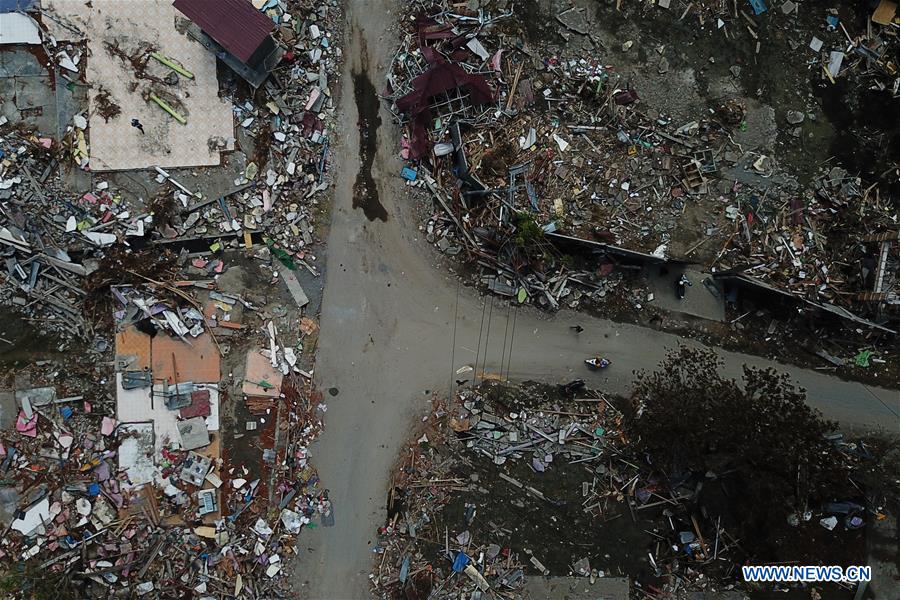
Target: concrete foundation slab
{"x": 119, "y": 40}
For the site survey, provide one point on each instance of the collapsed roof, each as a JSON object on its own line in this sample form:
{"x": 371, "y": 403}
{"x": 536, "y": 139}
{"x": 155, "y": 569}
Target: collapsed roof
{"x": 443, "y": 76}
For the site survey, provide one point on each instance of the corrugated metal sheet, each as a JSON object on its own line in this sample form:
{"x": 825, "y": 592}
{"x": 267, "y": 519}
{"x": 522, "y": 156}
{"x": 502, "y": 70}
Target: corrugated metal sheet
{"x": 19, "y": 28}
{"x": 235, "y": 24}
{"x": 8, "y": 6}
{"x": 442, "y": 76}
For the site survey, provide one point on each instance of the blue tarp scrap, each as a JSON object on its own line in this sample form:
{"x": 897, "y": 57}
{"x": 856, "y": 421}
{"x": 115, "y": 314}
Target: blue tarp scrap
{"x": 759, "y": 6}
{"x": 8, "y": 6}
{"x": 404, "y": 569}
{"x": 408, "y": 174}
{"x": 460, "y": 562}
{"x": 224, "y": 208}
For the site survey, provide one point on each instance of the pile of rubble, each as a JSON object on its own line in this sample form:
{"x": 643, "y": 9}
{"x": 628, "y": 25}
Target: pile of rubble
{"x": 146, "y": 493}
{"x": 530, "y": 150}
{"x": 427, "y": 478}
{"x": 54, "y": 236}
{"x": 496, "y": 458}
{"x": 835, "y": 244}
{"x": 194, "y": 528}
{"x": 126, "y": 483}
{"x": 52, "y": 239}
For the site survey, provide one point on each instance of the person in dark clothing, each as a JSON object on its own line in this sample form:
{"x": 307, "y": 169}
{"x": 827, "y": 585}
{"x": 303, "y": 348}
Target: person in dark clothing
{"x": 137, "y": 125}
{"x": 679, "y": 286}
{"x": 577, "y": 328}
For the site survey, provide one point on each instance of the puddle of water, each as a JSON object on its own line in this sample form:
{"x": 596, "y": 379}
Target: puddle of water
{"x": 22, "y": 342}
{"x": 365, "y": 192}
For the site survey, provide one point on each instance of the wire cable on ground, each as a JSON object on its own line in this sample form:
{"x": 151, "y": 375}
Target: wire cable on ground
{"x": 883, "y": 403}
{"x": 453, "y": 346}
{"x": 478, "y": 351}
{"x": 487, "y": 339}
{"x": 511, "y": 340}
{"x": 505, "y": 336}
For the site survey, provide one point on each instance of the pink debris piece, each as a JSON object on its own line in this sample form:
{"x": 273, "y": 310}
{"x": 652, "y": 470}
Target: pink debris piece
{"x": 313, "y": 96}
{"x": 404, "y": 148}
{"x": 27, "y": 426}
{"x": 108, "y": 426}
{"x": 117, "y": 498}
{"x": 102, "y": 470}
{"x": 495, "y": 61}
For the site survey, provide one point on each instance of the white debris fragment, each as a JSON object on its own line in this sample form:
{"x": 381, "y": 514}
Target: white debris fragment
{"x": 99, "y": 238}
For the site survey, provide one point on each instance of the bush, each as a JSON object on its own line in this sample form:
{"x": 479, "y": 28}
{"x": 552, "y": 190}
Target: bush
{"x": 527, "y": 230}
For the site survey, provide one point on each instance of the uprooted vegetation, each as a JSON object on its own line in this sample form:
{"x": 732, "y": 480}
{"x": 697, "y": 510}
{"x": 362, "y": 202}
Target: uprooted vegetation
{"x": 106, "y": 108}
{"x": 135, "y": 60}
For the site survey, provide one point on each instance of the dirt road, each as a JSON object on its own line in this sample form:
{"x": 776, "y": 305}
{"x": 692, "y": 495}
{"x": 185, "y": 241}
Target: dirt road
{"x": 387, "y": 331}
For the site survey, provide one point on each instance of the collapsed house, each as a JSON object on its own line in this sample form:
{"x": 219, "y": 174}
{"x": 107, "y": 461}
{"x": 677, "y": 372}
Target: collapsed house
{"x": 535, "y": 155}
{"x": 237, "y": 33}
{"x": 444, "y": 91}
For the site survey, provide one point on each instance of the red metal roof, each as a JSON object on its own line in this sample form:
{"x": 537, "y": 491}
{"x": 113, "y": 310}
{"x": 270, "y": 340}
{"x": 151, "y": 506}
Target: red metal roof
{"x": 235, "y": 24}
{"x": 441, "y": 77}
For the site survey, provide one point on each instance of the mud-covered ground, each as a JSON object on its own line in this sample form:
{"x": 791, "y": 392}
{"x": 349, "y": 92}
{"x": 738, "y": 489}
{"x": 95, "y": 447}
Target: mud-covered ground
{"x": 851, "y": 123}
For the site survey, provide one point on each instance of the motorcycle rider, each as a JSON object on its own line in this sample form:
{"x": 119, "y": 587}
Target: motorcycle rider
{"x": 599, "y": 362}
